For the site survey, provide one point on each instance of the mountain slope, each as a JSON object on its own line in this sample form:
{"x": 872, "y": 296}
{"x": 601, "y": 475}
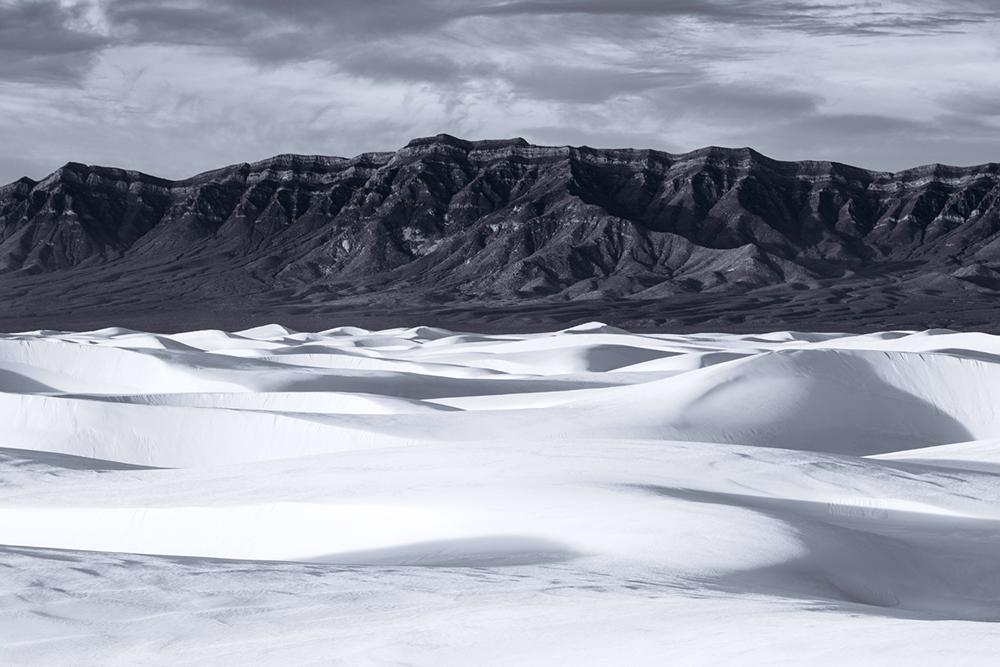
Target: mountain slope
{"x": 501, "y": 225}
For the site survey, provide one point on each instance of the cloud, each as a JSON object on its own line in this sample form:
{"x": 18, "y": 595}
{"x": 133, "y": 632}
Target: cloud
{"x": 978, "y": 104}
{"x": 844, "y": 17}
{"x": 273, "y": 31}
{"x": 737, "y": 103}
{"x": 591, "y": 85}
{"x": 45, "y": 41}
{"x": 178, "y": 86}
{"x": 51, "y": 38}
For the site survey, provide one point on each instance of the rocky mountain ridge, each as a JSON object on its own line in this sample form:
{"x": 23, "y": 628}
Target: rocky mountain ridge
{"x": 502, "y": 224}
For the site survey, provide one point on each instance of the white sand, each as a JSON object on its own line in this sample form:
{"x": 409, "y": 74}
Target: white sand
{"x": 422, "y": 497}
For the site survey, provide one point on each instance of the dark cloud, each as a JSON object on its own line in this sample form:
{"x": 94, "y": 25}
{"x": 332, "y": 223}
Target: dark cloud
{"x": 861, "y": 18}
{"x": 296, "y": 29}
{"x": 396, "y": 65}
{"x": 158, "y": 22}
{"x": 392, "y": 40}
{"x": 737, "y": 103}
{"x": 44, "y": 41}
{"x": 282, "y": 30}
{"x": 39, "y": 38}
{"x": 737, "y": 11}
{"x": 861, "y": 127}
{"x": 980, "y": 104}
{"x": 209, "y": 79}
{"x": 593, "y": 85}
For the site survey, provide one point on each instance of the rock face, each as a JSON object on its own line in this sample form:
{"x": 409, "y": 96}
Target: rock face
{"x": 498, "y": 224}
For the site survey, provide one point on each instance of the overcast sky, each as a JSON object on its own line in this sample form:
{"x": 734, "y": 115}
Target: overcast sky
{"x": 177, "y": 87}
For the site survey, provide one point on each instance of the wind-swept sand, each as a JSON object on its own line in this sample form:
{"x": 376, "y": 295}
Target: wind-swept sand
{"x": 418, "y": 496}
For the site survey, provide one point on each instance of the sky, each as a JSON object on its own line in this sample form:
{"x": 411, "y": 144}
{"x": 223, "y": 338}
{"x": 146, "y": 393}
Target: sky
{"x": 173, "y": 88}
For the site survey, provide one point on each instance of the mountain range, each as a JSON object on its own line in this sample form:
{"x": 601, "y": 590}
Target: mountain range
{"x": 496, "y": 235}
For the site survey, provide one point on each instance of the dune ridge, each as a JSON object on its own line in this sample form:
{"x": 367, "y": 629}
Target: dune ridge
{"x": 655, "y": 476}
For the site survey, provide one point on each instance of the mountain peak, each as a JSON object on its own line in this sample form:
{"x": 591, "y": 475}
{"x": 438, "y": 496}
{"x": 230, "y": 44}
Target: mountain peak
{"x": 467, "y": 145}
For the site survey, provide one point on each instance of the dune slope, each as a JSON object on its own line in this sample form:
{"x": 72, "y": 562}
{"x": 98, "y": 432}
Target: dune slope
{"x": 440, "y": 498}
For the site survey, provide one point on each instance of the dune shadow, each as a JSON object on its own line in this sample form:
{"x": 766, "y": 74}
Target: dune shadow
{"x": 821, "y": 401}
{"x": 493, "y": 551}
{"x": 476, "y": 552}
{"x": 42, "y": 553}
{"x": 12, "y": 382}
{"x": 34, "y": 457}
{"x": 964, "y": 465}
{"x": 861, "y": 557}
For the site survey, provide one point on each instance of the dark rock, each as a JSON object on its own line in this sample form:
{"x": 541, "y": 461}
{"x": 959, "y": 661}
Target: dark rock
{"x": 445, "y": 223}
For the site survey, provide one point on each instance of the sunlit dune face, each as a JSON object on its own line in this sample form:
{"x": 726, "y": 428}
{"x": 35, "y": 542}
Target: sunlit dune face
{"x": 698, "y": 480}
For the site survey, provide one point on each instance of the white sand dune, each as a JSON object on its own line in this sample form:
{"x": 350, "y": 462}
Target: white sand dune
{"x": 416, "y": 495}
